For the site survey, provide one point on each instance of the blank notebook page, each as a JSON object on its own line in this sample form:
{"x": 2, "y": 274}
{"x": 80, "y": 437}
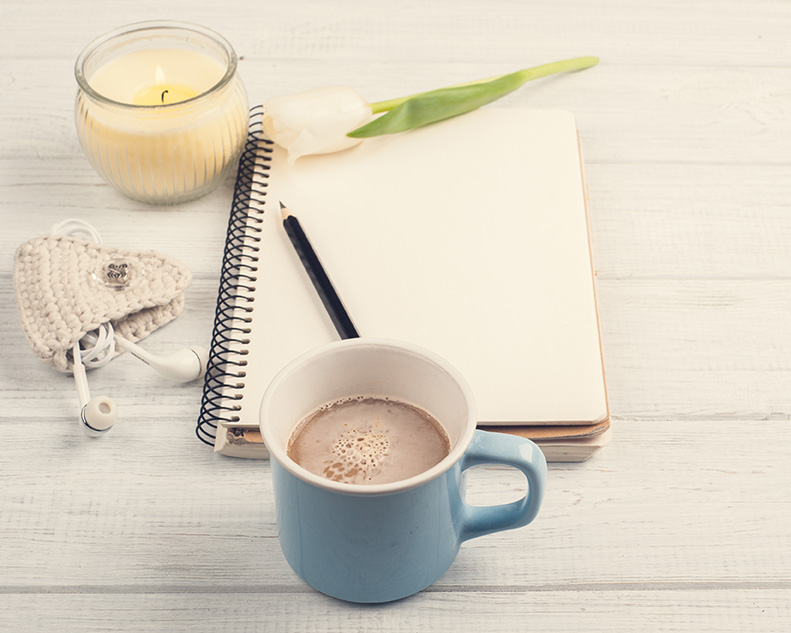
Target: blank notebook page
{"x": 468, "y": 237}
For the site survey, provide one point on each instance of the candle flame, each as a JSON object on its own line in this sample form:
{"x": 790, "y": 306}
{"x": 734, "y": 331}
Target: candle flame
{"x": 159, "y": 76}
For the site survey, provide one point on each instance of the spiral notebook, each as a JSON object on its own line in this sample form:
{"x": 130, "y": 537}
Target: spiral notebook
{"x": 468, "y": 237}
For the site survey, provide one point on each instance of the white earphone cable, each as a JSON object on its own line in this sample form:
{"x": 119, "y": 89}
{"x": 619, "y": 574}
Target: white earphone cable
{"x": 97, "y": 347}
{"x": 77, "y": 228}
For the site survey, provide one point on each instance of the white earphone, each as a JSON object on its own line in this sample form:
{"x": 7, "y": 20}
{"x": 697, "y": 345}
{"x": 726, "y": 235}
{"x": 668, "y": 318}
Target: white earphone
{"x": 97, "y": 348}
{"x": 98, "y": 414}
{"x": 183, "y": 365}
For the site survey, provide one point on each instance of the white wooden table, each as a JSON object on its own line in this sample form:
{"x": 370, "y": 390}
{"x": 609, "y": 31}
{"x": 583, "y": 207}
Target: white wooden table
{"x": 680, "y": 524}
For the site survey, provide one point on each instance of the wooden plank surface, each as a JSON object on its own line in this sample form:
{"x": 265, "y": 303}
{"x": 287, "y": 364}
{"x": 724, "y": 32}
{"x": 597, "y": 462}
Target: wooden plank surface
{"x": 594, "y": 610}
{"x": 640, "y": 513}
{"x": 682, "y": 523}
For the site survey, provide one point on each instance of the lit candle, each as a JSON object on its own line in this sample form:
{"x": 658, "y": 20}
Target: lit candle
{"x": 161, "y": 113}
{"x": 162, "y": 93}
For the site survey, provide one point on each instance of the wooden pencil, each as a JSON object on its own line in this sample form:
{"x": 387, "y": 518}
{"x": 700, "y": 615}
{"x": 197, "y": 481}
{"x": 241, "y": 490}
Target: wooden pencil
{"x": 318, "y": 276}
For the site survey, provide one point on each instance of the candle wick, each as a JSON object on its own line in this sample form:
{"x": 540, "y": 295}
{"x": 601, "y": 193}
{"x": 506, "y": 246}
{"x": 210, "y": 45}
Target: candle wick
{"x": 164, "y": 92}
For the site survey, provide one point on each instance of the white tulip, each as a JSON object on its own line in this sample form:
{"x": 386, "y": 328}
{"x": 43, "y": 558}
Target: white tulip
{"x": 331, "y": 119}
{"x": 316, "y": 121}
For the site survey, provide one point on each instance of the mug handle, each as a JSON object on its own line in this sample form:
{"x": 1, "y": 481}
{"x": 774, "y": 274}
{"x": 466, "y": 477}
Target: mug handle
{"x": 499, "y": 448}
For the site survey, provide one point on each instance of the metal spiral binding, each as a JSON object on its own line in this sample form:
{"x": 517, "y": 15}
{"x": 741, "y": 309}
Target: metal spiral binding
{"x": 225, "y": 371}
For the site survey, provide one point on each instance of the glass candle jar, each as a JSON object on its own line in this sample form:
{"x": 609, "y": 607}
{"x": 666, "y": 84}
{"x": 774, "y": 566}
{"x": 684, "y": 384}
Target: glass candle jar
{"x": 161, "y": 112}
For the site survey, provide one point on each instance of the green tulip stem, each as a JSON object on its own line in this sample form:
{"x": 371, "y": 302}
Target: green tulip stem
{"x": 423, "y": 108}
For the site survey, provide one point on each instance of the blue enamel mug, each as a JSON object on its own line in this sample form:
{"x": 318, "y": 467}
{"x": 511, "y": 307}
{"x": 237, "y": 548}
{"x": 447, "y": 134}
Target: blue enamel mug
{"x": 372, "y": 543}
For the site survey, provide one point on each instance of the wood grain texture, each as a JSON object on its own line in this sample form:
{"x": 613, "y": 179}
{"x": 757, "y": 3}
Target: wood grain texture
{"x": 682, "y": 523}
{"x": 639, "y": 514}
{"x": 597, "y": 610}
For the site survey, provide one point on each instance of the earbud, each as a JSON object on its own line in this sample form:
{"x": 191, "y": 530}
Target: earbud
{"x": 183, "y": 365}
{"x": 98, "y": 414}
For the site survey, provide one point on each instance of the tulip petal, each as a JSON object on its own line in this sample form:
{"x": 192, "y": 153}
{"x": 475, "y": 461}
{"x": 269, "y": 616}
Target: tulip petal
{"x": 315, "y": 121}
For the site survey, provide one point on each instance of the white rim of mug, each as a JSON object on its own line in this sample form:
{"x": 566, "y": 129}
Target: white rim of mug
{"x": 278, "y": 453}
{"x": 153, "y": 26}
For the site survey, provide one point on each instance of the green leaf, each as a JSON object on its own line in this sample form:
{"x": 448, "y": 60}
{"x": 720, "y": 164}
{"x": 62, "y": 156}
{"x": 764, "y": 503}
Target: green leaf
{"x": 429, "y": 107}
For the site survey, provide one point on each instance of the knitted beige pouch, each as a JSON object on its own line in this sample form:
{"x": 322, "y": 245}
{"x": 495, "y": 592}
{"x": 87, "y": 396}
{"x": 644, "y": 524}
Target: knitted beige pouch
{"x": 66, "y": 287}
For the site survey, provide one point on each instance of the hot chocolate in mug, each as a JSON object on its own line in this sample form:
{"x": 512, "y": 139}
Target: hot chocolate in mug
{"x": 381, "y": 542}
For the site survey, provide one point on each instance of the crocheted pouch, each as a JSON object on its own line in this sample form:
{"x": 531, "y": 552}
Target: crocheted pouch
{"x": 66, "y": 287}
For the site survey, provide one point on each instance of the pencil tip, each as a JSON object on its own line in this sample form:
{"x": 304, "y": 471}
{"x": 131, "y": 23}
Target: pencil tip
{"x": 283, "y": 211}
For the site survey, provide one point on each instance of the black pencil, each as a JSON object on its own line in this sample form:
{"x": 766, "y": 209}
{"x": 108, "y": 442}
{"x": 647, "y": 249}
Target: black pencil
{"x": 321, "y": 282}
